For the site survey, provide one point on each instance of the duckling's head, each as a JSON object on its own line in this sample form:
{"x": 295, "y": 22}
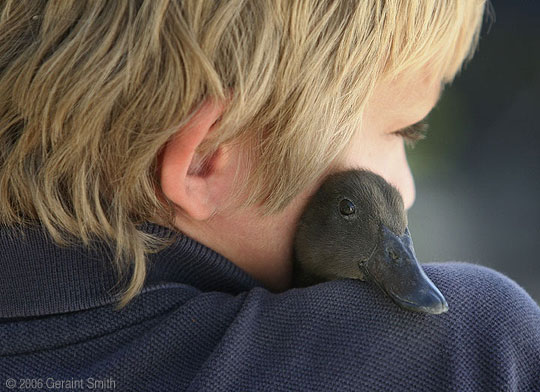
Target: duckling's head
{"x": 355, "y": 226}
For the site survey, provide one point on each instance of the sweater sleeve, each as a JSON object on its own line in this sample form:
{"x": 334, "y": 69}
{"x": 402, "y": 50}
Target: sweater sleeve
{"x": 346, "y": 335}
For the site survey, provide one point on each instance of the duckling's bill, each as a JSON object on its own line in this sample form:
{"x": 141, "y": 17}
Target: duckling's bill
{"x": 394, "y": 267}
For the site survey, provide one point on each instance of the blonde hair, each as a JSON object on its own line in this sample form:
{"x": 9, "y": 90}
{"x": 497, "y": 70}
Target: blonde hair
{"x": 91, "y": 91}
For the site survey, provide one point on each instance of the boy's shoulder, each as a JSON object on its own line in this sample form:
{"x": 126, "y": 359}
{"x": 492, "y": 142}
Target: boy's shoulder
{"x": 339, "y": 335}
{"x": 348, "y": 335}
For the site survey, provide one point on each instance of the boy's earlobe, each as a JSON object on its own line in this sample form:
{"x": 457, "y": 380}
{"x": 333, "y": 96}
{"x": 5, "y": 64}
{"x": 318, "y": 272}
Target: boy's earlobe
{"x": 186, "y": 179}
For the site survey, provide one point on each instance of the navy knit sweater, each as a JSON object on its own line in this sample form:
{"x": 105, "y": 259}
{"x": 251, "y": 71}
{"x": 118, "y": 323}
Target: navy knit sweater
{"x": 203, "y": 324}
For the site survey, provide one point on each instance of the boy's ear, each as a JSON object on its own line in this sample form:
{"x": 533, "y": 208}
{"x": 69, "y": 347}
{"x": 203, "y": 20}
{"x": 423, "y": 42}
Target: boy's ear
{"x": 186, "y": 180}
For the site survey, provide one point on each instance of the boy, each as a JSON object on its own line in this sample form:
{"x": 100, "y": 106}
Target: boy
{"x": 167, "y": 148}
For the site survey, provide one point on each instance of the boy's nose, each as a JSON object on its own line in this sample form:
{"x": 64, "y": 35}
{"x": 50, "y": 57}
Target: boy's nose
{"x": 407, "y": 189}
{"x": 402, "y": 178}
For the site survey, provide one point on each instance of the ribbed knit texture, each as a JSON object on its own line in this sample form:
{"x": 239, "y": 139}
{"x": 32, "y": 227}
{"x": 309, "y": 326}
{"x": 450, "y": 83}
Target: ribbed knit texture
{"x": 203, "y": 324}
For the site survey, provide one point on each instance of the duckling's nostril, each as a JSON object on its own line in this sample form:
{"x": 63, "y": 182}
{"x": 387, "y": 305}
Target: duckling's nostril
{"x": 393, "y": 254}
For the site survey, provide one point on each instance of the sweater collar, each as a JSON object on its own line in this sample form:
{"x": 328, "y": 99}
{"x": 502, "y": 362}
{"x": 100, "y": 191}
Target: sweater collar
{"x": 39, "y": 277}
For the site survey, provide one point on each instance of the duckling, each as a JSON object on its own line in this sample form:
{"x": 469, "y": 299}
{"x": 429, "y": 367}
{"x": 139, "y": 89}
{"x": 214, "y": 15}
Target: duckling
{"x": 355, "y": 226}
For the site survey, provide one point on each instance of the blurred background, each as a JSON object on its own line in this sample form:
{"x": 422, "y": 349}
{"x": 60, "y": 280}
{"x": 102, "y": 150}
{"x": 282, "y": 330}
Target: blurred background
{"x": 478, "y": 171}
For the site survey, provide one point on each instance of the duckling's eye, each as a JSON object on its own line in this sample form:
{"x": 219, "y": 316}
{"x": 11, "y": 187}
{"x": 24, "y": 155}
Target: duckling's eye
{"x": 347, "y": 207}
